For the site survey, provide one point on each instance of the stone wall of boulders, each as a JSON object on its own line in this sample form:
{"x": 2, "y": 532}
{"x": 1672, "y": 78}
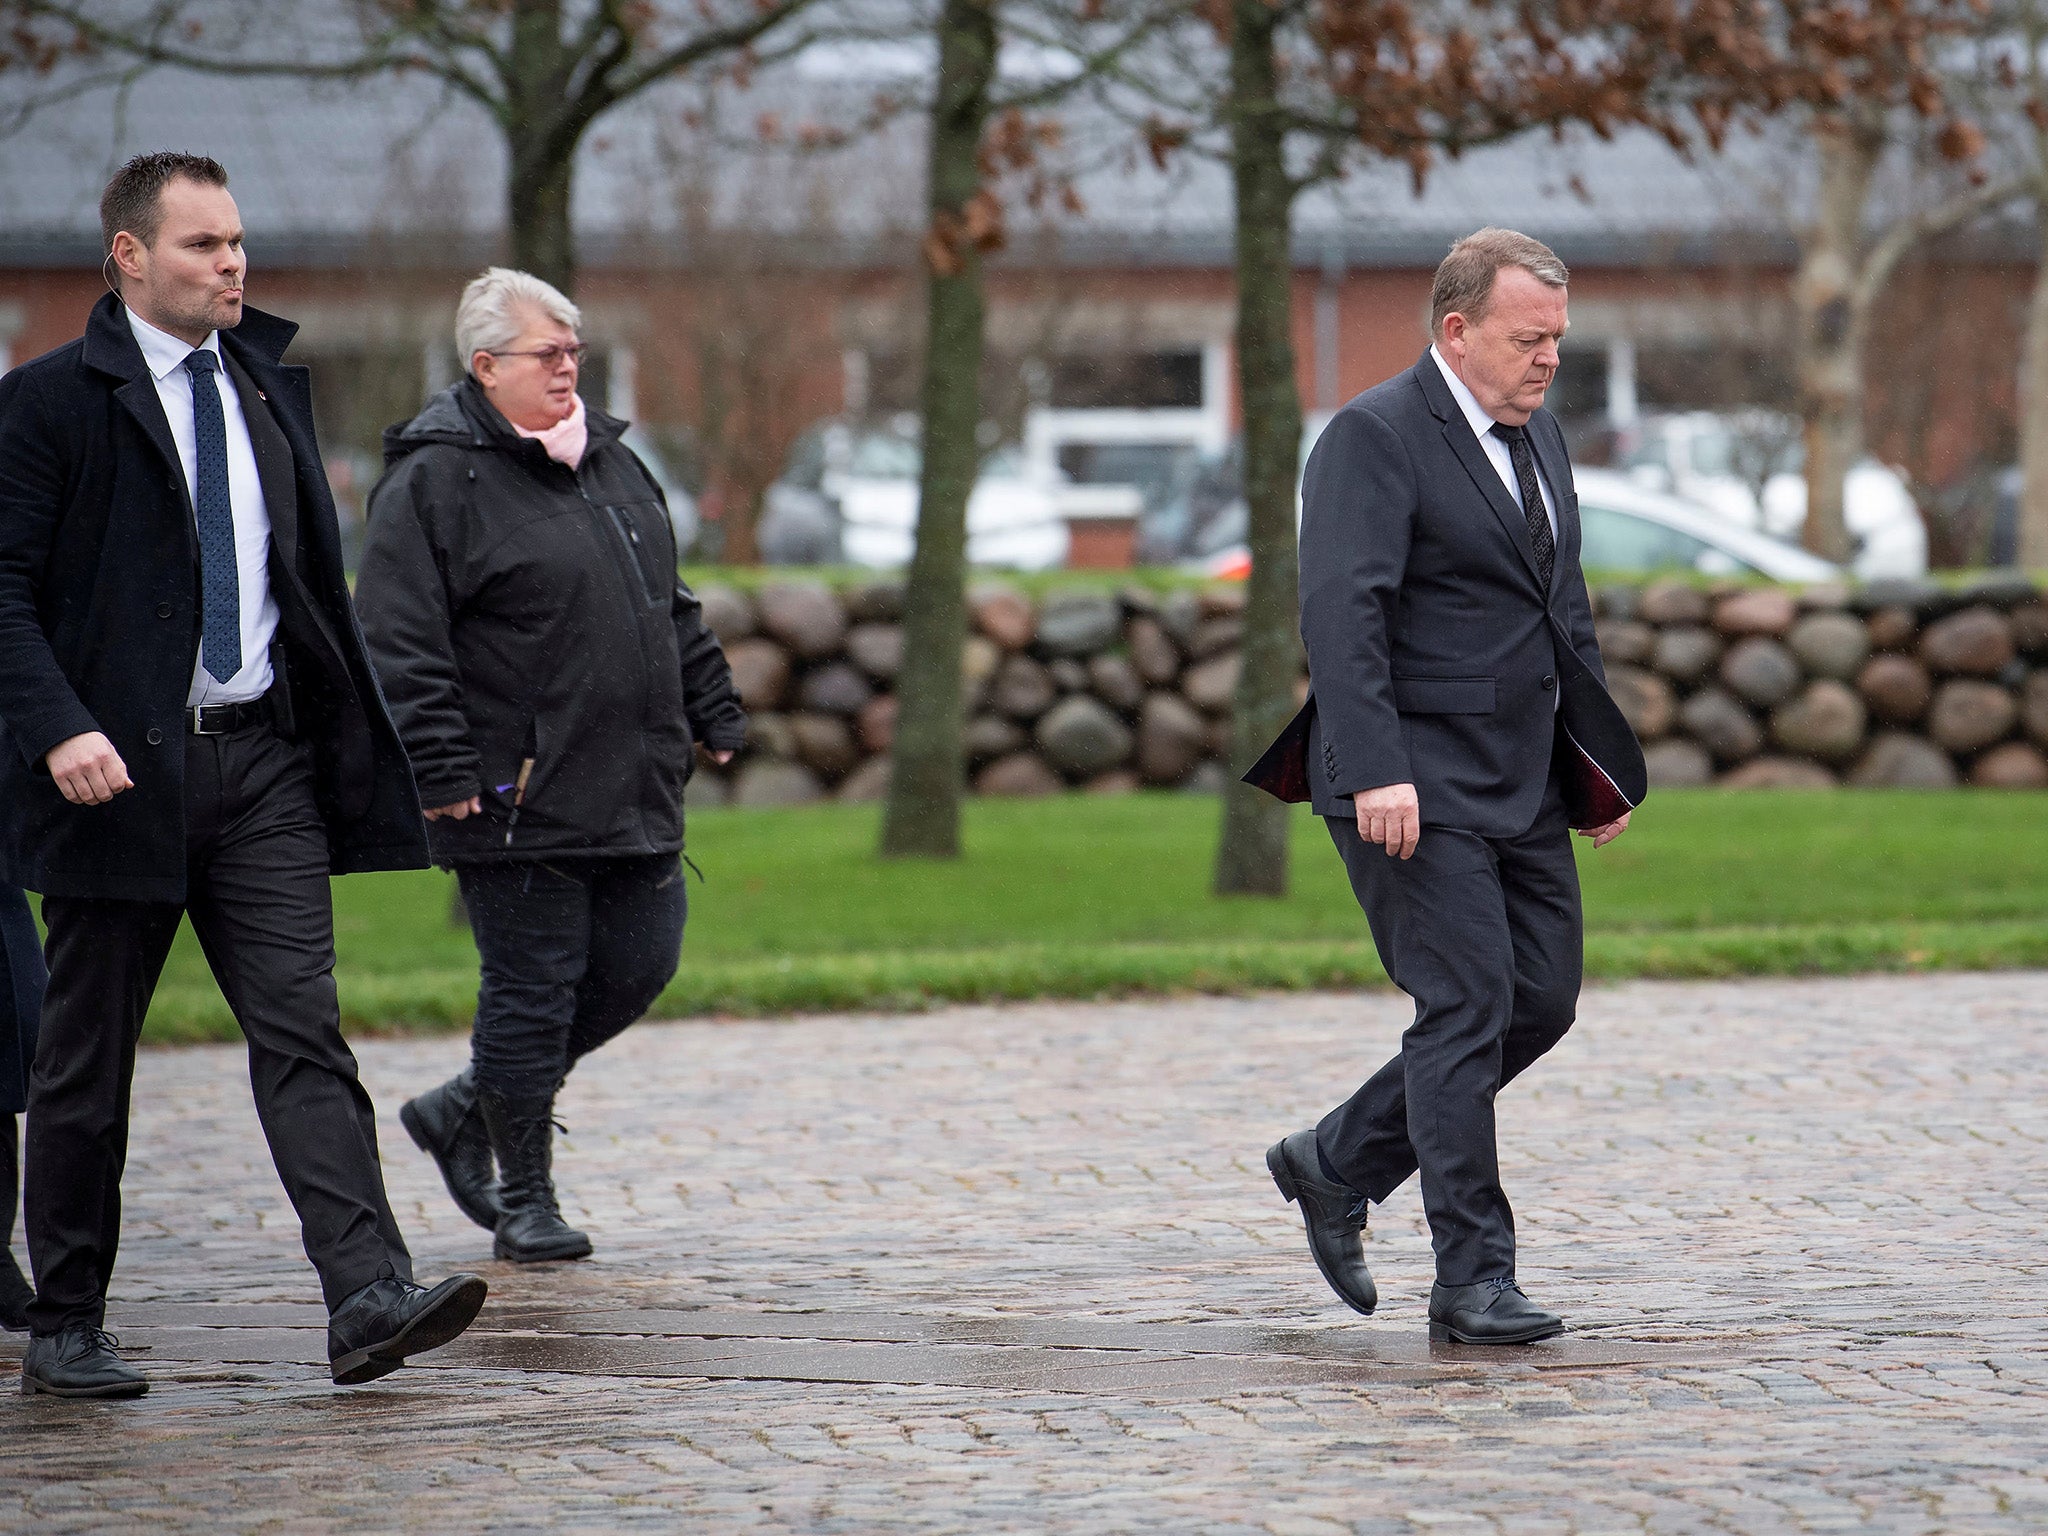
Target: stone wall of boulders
{"x": 1897, "y": 683}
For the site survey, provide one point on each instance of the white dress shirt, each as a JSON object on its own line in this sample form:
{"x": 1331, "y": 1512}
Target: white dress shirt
{"x": 165, "y": 357}
{"x": 1496, "y": 451}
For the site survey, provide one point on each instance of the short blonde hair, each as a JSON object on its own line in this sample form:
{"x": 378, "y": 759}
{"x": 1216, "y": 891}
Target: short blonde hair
{"x": 1464, "y": 280}
{"x": 487, "y": 319}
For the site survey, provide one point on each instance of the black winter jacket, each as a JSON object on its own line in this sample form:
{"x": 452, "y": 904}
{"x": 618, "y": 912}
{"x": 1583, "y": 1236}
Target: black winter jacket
{"x": 519, "y": 609}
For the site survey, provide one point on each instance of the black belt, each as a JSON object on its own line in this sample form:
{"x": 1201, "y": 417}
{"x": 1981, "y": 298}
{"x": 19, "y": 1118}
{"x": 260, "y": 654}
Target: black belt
{"x": 225, "y": 719}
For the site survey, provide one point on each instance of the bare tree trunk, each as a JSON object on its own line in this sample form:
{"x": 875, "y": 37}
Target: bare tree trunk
{"x": 540, "y": 144}
{"x": 922, "y": 816}
{"x": 1251, "y": 854}
{"x": 537, "y": 199}
{"x": 2033, "y": 541}
{"x": 1830, "y": 339}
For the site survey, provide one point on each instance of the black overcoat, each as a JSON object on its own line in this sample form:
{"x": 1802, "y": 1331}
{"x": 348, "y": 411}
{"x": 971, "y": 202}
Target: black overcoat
{"x": 100, "y": 617}
{"x": 1436, "y": 654}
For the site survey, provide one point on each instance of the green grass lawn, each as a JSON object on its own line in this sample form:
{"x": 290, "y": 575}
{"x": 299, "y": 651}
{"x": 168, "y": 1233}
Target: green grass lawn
{"x": 1090, "y": 896}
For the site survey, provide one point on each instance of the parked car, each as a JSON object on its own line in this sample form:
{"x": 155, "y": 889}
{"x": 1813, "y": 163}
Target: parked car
{"x": 1628, "y": 529}
{"x": 1204, "y": 517}
{"x": 1717, "y": 458}
{"x": 848, "y": 495}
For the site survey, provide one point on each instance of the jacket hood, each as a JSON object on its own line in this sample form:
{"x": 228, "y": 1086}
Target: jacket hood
{"x": 463, "y": 415}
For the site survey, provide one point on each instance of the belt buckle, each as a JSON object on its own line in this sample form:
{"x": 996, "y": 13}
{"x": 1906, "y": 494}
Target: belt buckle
{"x": 197, "y": 718}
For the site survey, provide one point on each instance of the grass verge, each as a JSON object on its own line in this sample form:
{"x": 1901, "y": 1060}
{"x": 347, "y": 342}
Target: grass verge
{"x": 1101, "y": 897}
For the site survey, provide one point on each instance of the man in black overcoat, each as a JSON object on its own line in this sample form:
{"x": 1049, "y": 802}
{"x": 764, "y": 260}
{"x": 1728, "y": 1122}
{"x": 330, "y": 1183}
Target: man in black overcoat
{"x": 1458, "y": 728}
{"x": 189, "y": 726}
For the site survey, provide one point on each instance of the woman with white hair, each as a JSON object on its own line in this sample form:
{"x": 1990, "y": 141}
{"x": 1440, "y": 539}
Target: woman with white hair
{"x": 551, "y": 677}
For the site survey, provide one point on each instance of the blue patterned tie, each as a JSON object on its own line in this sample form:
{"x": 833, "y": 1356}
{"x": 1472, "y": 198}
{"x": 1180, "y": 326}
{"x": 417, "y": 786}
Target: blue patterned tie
{"x": 221, "y": 642}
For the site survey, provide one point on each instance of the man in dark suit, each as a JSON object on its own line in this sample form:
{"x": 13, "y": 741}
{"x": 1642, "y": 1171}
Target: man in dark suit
{"x": 1446, "y": 617}
{"x": 189, "y": 726}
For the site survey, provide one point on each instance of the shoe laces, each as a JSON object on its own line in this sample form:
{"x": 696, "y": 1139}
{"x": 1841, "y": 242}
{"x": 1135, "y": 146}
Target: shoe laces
{"x": 99, "y": 1338}
{"x": 1501, "y": 1283}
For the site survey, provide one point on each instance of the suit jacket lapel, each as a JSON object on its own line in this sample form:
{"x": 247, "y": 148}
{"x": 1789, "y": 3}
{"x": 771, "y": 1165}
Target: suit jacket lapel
{"x": 274, "y": 465}
{"x": 139, "y": 398}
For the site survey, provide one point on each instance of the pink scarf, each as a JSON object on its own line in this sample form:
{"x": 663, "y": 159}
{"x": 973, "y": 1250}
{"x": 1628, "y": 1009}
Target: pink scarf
{"x": 566, "y": 439}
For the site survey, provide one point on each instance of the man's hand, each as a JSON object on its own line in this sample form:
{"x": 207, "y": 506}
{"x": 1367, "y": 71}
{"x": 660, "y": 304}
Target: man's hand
{"x": 722, "y": 758}
{"x": 1390, "y": 817}
{"x": 461, "y": 810}
{"x": 87, "y": 769}
{"x": 1604, "y": 835}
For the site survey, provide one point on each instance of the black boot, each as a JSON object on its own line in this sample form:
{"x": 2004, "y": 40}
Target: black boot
{"x": 15, "y": 1291}
{"x": 446, "y": 1124}
{"x": 530, "y": 1229}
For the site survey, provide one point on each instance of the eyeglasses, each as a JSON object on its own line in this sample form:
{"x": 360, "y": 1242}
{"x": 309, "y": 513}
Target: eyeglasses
{"x": 550, "y": 358}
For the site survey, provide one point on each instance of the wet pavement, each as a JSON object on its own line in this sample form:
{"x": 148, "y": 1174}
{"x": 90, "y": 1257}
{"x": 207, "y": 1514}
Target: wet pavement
{"x": 1022, "y": 1269}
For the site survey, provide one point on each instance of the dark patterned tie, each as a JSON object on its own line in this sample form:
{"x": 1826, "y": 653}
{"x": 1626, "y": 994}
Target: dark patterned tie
{"x": 221, "y": 638}
{"x": 1517, "y": 439}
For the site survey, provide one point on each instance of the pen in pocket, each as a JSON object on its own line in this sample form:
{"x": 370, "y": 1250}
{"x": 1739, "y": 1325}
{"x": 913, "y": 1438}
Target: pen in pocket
{"x": 518, "y": 797}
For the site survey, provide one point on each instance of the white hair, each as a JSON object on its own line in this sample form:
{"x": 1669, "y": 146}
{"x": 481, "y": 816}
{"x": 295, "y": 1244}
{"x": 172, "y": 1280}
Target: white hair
{"x": 487, "y": 320}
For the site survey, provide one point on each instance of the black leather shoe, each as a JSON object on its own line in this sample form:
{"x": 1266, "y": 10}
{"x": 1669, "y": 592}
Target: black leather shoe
{"x": 1334, "y": 1214}
{"x": 530, "y": 1229}
{"x": 1491, "y": 1312}
{"x": 373, "y": 1331}
{"x": 446, "y": 1124}
{"x": 79, "y": 1362}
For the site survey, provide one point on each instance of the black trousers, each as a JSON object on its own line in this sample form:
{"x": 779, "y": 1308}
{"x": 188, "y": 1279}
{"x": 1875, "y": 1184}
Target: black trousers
{"x": 572, "y": 951}
{"x": 259, "y": 901}
{"x": 1486, "y": 935}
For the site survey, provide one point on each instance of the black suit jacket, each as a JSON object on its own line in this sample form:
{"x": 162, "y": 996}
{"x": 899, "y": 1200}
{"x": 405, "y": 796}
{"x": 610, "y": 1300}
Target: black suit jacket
{"x": 100, "y": 616}
{"x": 1436, "y": 656}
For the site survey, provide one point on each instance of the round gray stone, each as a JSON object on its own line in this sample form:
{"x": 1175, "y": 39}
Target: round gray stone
{"x": 760, "y": 670}
{"x": 1021, "y": 689}
{"x": 1625, "y": 641}
{"x": 1830, "y": 644}
{"x": 1212, "y": 684}
{"x": 1968, "y": 715}
{"x": 1645, "y": 699}
{"x": 1172, "y": 737}
{"x": 1080, "y": 737}
{"x": 1078, "y": 623}
{"x": 1678, "y": 764}
{"x": 991, "y": 736}
{"x": 1718, "y": 721}
{"x": 1685, "y": 653}
{"x": 1019, "y": 774}
{"x": 1826, "y": 722}
{"x": 877, "y": 649}
{"x": 834, "y": 689}
{"x": 1761, "y": 671}
{"x": 1116, "y": 682}
{"x": 728, "y": 613}
{"x": 806, "y": 616}
{"x": 1901, "y": 760}
{"x": 1672, "y": 602}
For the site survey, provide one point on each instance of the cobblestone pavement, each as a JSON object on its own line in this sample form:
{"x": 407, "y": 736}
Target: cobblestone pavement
{"x": 1021, "y": 1269}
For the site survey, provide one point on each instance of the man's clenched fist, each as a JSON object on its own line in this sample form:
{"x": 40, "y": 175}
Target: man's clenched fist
{"x": 87, "y": 769}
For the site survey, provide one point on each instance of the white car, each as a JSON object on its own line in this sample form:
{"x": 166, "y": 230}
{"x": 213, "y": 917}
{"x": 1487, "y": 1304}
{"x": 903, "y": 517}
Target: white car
{"x": 1625, "y": 527}
{"x": 1699, "y": 455}
{"x": 1629, "y": 530}
{"x": 849, "y": 494}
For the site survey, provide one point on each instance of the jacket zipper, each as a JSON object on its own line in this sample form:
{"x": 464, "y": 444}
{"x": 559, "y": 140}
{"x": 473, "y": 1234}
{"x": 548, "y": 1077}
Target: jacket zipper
{"x": 640, "y": 610}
